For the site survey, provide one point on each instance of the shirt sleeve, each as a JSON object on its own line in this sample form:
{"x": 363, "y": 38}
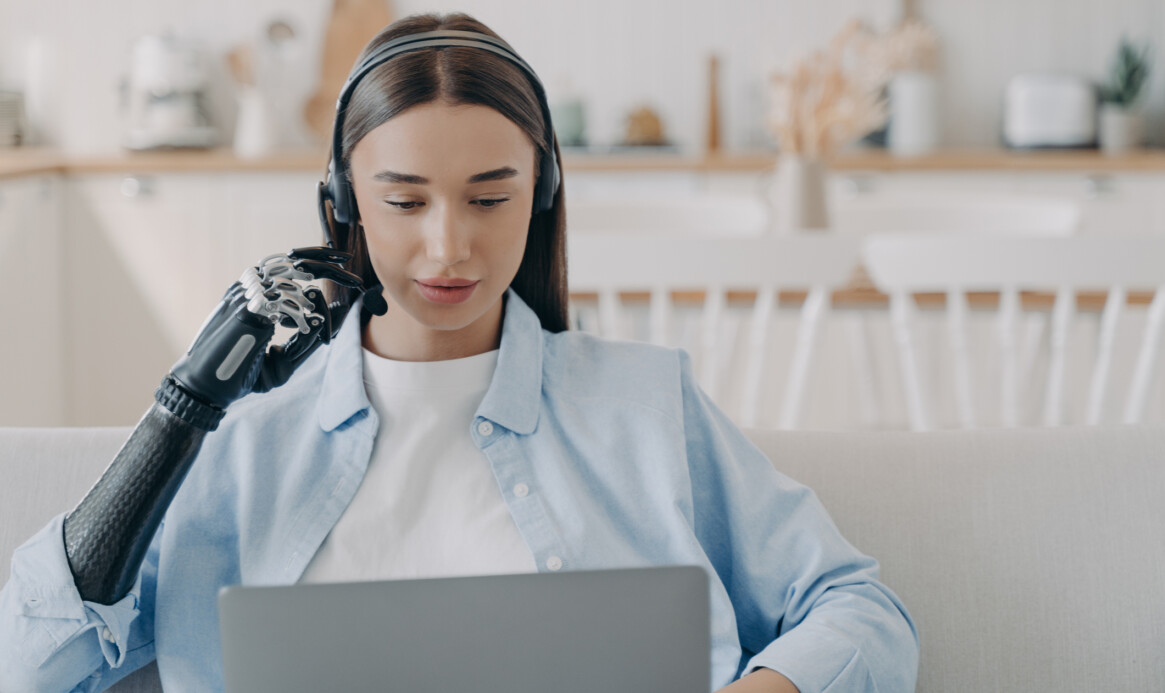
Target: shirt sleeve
{"x": 52, "y": 640}
{"x": 808, "y": 604}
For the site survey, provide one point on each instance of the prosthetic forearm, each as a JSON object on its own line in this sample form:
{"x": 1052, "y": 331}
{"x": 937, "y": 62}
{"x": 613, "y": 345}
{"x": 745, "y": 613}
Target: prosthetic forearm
{"x": 106, "y": 536}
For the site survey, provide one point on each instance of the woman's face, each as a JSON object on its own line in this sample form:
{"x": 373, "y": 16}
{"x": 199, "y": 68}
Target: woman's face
{"x": 445, "y": 196}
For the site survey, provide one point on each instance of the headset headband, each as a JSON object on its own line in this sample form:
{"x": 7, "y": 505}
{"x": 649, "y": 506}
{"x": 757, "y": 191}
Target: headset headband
{"x": 338, "y": 192}
{"x": 413, "y": 42}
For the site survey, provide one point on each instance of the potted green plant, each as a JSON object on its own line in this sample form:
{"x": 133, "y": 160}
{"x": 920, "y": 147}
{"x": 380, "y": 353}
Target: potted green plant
{"x": 1120, "y": 119}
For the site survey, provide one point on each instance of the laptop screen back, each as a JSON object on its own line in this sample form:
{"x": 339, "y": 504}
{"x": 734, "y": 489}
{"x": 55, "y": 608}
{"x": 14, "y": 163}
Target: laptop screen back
{"x": 614, "y": 631}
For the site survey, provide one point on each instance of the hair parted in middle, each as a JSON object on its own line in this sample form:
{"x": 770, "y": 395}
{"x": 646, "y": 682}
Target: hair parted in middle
{"x": 458, "y": 75}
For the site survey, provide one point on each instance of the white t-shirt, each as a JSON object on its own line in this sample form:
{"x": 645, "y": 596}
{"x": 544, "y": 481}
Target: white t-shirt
{"x": 429, "y": 505}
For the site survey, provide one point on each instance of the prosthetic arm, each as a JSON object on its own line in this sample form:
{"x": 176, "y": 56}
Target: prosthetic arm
{"x": 107, "y": 534}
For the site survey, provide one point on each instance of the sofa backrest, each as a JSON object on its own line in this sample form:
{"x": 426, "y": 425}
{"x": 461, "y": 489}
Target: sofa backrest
{"x": 1030, "y": 559}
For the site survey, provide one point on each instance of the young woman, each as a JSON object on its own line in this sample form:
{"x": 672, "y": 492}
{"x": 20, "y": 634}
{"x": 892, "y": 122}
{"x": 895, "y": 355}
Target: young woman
{"x": 452, "y": 425}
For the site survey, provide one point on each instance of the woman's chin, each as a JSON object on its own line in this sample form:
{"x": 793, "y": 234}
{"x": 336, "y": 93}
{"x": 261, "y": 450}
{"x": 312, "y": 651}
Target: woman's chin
{"x": 437, "y": 316}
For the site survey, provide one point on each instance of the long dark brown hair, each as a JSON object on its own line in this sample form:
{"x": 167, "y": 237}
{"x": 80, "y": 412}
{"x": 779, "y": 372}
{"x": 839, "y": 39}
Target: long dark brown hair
{"x": 459, "y": 75}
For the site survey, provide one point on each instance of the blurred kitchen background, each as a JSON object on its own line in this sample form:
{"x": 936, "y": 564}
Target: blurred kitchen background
{"x": 71, "y": 55}
{"x": 785, "y": 168}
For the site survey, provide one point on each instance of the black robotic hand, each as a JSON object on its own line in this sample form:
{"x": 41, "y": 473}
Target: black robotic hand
{"x": 107, "y": 535}
{"x": 229, "y": 357}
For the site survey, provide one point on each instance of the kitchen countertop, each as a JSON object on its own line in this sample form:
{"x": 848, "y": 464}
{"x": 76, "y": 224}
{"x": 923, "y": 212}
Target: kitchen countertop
{"x": 31, "y": 161}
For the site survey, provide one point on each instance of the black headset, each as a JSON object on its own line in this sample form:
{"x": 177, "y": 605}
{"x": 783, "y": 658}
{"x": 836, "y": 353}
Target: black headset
{"x": 335, "y": 188}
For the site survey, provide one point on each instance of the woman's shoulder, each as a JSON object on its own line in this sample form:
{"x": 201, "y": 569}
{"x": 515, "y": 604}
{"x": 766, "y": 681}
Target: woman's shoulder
{"x": 580, "y": 364}
{"x": 582, "y": 347}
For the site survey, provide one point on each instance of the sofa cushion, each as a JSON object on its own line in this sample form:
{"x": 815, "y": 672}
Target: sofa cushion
{"x": 1030, "y": 559}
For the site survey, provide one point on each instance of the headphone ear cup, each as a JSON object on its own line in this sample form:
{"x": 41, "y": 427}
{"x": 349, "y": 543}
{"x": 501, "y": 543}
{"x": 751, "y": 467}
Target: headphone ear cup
{"x": 340, "y": 201}
{"x": 548, "y": 179}
{"x": 327, "y": 219}
{"x": 350, "y": 201}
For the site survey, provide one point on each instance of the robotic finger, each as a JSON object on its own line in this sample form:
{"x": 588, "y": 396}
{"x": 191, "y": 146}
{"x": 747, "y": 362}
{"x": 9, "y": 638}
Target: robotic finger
{"x": 273, "y": 293}
{"x": 321, "y": 253}
{"x": 336, "y": 274}
{"x": 282, "y": 360}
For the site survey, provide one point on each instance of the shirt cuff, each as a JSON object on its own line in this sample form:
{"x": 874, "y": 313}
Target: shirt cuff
{"x": 815, "y": 659}
{"x": 43, "y": 591}
{"x": 117, "y": 619}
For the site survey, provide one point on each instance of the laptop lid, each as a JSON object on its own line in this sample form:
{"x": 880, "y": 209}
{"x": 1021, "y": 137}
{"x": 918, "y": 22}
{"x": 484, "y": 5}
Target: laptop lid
{"x": 616, "y": 631}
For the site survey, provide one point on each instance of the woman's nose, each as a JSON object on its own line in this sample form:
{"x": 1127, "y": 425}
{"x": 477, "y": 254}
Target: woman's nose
{"x": 447, "y": 239}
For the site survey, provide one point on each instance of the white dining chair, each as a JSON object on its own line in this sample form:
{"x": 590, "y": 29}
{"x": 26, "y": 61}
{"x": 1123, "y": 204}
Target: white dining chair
{"x": 716, "y": 214}
{"x": 940, "y": 211}
{"x": 906, "y": 264}
{"x": 611, "y": 265}
{"x": 953, "y": 211}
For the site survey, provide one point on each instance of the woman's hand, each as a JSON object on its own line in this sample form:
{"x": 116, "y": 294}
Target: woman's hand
{"x": 761, "y": 681}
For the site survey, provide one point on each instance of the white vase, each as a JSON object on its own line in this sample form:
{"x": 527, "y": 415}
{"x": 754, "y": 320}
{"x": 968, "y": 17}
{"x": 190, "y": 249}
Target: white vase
{"x": 797, "y": 195}
{"x": 1120, "y": 128}
{"x": 256, "y": 130}
{"x": 914, "y": 122}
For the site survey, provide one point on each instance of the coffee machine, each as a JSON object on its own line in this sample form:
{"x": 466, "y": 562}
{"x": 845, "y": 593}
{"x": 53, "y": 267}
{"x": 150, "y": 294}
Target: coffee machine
{"x": 164, "y": 98}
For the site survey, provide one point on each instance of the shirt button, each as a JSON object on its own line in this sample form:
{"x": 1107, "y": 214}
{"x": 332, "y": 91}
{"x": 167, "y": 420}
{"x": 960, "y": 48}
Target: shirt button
{"x": 554, "y": 563}
{"x": 107, "y": 634}
{"x": 485, "y": 428}
{"x": 521, "y": 490}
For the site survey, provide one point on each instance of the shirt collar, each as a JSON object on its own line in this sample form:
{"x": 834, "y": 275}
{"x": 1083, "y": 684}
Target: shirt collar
{"x": 513, "y": 399}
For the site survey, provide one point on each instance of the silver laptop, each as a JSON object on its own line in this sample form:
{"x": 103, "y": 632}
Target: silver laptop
{"x": 614, "y": 631}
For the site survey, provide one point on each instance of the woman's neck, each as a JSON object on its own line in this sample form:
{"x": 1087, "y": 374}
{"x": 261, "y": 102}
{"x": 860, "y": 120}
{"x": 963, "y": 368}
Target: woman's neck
{"x": 397, "y": 336}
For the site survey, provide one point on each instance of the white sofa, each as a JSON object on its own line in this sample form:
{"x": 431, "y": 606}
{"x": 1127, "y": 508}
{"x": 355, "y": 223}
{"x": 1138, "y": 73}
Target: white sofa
{"x": 1031, "y": 560}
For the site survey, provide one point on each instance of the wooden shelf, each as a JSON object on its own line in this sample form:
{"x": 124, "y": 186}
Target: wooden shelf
{"x": 865, "y": 297}
{"x": 31, "y": 161}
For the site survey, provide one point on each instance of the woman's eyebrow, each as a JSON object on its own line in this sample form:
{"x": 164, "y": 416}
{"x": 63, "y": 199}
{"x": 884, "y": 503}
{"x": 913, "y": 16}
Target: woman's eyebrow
{"x": 412, "y": 179}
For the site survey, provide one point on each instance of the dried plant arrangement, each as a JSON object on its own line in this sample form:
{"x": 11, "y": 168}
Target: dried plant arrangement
{"x": 912, "y": 45}
{"x": 832, "y": 96}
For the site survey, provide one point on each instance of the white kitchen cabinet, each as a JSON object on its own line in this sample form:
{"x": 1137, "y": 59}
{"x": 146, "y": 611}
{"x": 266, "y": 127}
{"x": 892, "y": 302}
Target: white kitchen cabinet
{"x": 270, "y": 213}
{"x": 157, "y": 233}
{"x": 142, "y": 268}
{"x": 32, "y": 342}
{"x": 149, "y": 256}
{"x": 1124, "y": 203}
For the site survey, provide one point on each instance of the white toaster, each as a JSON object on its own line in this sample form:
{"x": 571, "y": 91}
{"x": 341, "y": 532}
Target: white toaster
{"x": 1049, "y": 109}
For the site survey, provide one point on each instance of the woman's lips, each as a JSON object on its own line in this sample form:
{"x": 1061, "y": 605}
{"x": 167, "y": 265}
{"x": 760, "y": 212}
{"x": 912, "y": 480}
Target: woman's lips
{"x": 447, "y": 281}
{"x": 446, "y": 290}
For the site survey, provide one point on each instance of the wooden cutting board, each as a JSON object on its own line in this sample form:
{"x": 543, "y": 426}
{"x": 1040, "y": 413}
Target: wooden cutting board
{"x": 351, "y": 25}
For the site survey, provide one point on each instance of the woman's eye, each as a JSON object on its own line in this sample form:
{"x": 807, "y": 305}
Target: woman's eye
{"x": 401, "y": 205}
{"x": 485, "y": 204}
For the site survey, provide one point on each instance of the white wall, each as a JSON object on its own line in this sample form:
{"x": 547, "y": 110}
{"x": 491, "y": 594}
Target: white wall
{"x": 618, "y": 52}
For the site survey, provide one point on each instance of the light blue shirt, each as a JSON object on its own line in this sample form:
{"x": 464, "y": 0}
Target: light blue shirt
{"x": 623, "y": 462}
